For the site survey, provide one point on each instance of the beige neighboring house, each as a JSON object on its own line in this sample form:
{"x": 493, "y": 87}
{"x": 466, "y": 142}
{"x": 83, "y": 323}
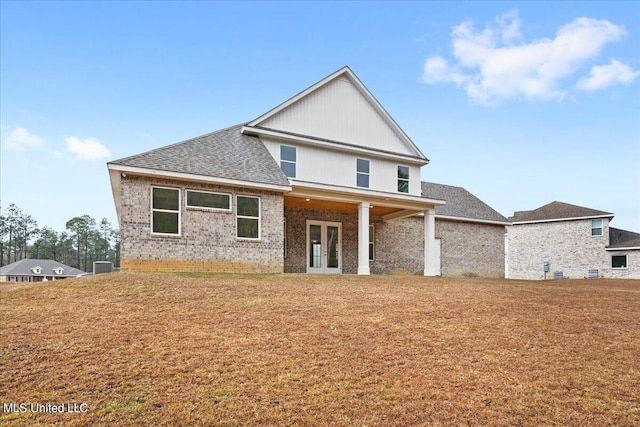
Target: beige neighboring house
{"x": 569, "y": 241}
{"x": 37, "y": 270}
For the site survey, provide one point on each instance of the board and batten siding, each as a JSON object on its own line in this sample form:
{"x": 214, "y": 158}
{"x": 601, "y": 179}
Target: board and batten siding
{"x": 325, "y": 166}
{"x": 338, "y": 111}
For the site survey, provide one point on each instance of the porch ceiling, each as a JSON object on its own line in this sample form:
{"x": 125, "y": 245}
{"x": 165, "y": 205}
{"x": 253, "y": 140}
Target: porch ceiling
{"x": 327, "y": 205}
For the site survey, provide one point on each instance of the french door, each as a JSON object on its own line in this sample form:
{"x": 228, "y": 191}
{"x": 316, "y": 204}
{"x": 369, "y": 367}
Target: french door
{"x": 324, "y": 247}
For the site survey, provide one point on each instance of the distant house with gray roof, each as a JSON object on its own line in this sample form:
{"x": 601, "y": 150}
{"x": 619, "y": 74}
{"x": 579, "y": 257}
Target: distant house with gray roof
{"x": 569, "y": 241}
{"x": 37, "y": 270}
{"x": 326, "y": 182}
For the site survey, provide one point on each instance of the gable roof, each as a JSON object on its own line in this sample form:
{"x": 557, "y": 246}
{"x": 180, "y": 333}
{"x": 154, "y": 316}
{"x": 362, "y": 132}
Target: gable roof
{"x": 226, "y": 154}
{"x": 461, "y": 204}
{"x": 24, "y": 268}
{"x": 328, "y": 110}
{"x": 619, "y": 239}
{"x": 556, "y": 211}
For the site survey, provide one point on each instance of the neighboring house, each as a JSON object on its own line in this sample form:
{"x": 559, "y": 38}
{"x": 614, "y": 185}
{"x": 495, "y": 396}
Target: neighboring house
{"x": 326, "y": 182}
{"x": 37, "y": 270}
{"x": 470, "y": 234}
{"x": 569, "y": 241}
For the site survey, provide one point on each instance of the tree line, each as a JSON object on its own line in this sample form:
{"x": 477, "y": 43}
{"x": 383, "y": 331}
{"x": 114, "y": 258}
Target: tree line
{"x": 83, "y": 241}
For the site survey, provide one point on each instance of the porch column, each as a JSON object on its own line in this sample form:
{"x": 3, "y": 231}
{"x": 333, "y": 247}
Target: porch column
{"x": 363, "y": 238}
{"x": 429, "y": 243}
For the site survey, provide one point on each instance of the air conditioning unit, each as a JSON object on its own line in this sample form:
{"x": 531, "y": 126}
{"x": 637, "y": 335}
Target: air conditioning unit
{"x": 593, "y": 273}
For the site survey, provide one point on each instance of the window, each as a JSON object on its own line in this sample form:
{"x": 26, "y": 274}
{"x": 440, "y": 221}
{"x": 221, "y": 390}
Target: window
{"x": 596, "y": 227}
{"x": 619, "y": 261}
{"x": 288, "y": 160}
{"x": 165, "y": 210}
{"x": 207, "y": 200}
{"x": 362, "y": 173}
{"x": 403, "y": 179}
{"x": 13, "y": 278}
{"x": 248, "y": 217}
{"x": 371, "y": 248}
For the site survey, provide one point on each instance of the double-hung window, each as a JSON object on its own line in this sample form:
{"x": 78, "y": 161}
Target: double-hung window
{"x": 208, "y": 200}
{"x": 288, "y": 160}
{"x": 403, "y": 179}
{"x": 596, "y": 227}
{"x": 165, "y": 211}
{"x": 248, "y": 217}
{"x": 362, "y": 173}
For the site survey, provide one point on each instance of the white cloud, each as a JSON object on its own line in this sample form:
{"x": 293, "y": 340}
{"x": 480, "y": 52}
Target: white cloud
{"x": 603, "y": 76}
{"x": 87, "y": 149}
{"x": 20, "y": 139}
{"x": 495, "y": 64}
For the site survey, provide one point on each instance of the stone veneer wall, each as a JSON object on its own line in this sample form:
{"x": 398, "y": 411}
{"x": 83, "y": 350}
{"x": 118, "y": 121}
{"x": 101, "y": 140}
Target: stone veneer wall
{"x": 470, "y": 249}
{"x": 633, "y": 265}
{"x": 567, "y": 245}
{"x": 208, "y": 238}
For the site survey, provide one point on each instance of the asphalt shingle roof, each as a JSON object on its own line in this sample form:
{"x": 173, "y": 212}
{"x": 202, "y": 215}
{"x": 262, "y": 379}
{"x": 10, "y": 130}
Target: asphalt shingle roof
{"x": 557, "y": 210}
{"x": 24, "y": 266}
{"x": 623, "y": 239}
{"x": 460, "y": 203}
{"x": 226, "y": 153}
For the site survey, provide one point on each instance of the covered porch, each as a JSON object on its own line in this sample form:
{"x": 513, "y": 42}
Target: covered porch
{"x": 337, "y": 230}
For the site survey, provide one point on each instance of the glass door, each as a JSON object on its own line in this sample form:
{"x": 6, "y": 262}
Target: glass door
{"x": 324, "y": 244}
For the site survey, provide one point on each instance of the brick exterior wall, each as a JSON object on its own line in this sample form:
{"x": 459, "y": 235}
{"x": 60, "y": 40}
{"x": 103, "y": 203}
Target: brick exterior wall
{"x": 470, "y": 249}
{"x": 567, "y": 245}
{"x": 208, "y": 238}
{"x": 633, "y": 265}
{"x": 398, "y": 246}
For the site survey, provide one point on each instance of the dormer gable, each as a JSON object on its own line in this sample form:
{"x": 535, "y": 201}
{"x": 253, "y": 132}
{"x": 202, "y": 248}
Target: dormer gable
{"x": 58, "y": 270}
{"x": 338, "y": 109}
{"x": 36, "y": 270}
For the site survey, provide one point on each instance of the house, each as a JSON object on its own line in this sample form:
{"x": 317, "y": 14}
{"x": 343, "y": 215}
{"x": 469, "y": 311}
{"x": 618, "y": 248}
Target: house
{"x": 564, "y": 240}
{"x": 37, "y": 270}
{"x": 326, "y": 182}
{"x": 470, "y": 235}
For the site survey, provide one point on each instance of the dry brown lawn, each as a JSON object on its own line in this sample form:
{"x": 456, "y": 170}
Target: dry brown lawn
{"x": 270, "y": 350}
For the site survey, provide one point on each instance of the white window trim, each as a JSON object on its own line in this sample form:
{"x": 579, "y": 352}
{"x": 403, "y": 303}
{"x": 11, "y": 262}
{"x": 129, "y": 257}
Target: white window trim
{"x": 601, "y": 227}
{"x": 204, "y": 208}
{"x": 252, "y": 239}
{"x": 363, "y": 173}
{"x": 294, "y": 163}
{"x": 626, "y": 262}
{"x": 408, "y": 180}
{"x": 179, "y": 211}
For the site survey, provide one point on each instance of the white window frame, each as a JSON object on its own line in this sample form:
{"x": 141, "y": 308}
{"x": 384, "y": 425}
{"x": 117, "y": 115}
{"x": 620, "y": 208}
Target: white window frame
{"x": 372, "y": 243}
{"x": 294, "y": 162}
{"x": 205, "y": 208}
{"x": 601, "y": 228}
{"x": 367, "y": 174}
{"x": 259, "y": 217}
{"x": 179, "y": 211}
{"x": 407, "y": 180}
{"x": 626, "y": 262}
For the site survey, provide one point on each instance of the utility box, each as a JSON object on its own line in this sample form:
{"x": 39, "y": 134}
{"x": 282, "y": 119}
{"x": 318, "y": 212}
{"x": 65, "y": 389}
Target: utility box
{"x": 100, "y": 267}
{"x": 546, "y": 266}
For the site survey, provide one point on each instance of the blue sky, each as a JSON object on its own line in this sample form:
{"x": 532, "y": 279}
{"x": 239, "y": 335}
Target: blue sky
{"x": 520, "y": 103}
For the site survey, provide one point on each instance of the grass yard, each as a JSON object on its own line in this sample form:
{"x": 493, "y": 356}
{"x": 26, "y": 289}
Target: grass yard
{"x": 269, "y": 350}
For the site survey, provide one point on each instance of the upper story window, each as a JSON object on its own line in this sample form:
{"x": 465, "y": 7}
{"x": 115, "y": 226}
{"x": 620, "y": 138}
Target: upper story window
{"x": 596, "y": 227}
{"x": 165, "y": 210}
{"x": 288, "y": 160}
{"x": 362, "y": 173}
{"x": 207, "y": 200}
{"x": 248, "y": 217}
{"x": 403, "y": 179}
